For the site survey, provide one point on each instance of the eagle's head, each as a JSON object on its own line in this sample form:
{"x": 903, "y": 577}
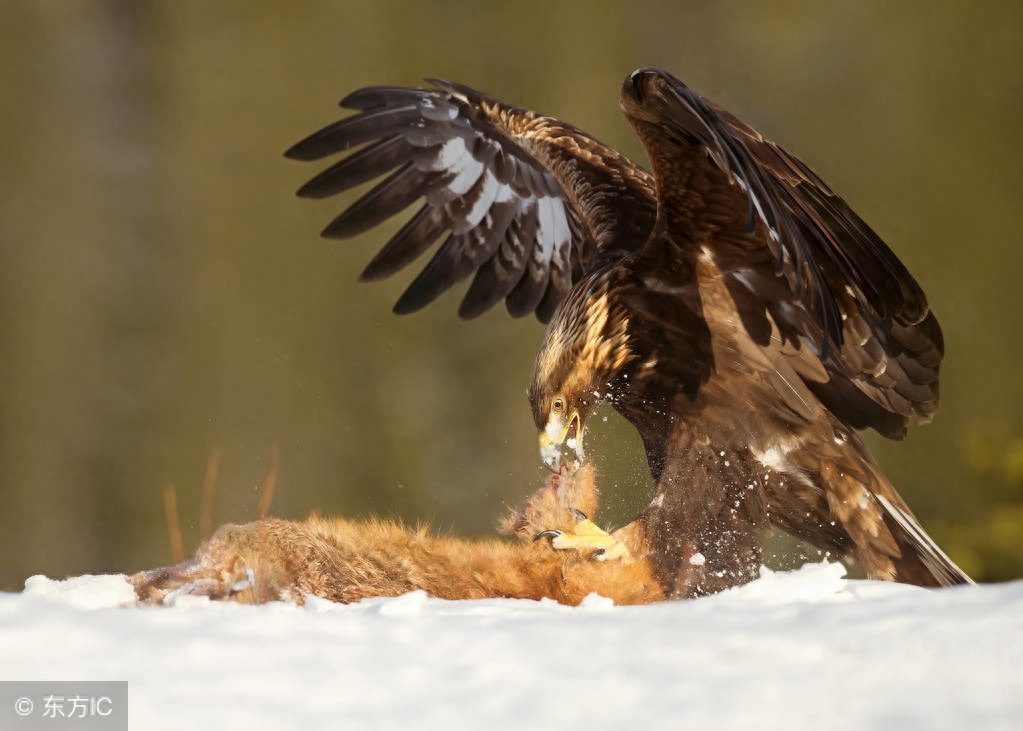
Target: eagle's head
{"x": 579, "y": 363}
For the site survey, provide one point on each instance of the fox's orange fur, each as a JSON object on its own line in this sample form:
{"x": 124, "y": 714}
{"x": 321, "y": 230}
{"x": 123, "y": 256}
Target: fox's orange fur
{"x": 345, "y": 561}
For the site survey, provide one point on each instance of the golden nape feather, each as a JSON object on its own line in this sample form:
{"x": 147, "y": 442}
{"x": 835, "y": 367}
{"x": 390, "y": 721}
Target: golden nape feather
{"x": 345, "y": 560}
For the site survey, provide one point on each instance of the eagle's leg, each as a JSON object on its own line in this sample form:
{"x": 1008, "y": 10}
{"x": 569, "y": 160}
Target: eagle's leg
{"x": 702, "y": 531}
{"x": 587, "y": 536}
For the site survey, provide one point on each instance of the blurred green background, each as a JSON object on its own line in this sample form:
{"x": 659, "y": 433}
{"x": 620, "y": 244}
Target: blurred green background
{"x": 163, "y": 294}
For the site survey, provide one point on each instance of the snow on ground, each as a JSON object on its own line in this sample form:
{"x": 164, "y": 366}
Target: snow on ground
{"x": 807, "y": 649}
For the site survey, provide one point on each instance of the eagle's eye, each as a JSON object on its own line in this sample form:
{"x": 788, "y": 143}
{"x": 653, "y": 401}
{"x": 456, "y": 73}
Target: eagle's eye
{"x": 558, "y": 406}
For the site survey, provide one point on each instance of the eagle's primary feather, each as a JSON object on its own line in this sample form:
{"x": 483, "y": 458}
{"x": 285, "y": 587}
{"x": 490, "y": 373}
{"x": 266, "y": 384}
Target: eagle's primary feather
{"x": 729, "y": 304}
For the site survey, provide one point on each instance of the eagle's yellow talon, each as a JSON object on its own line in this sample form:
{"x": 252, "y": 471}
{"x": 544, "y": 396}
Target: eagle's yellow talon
{"x": 587, "y": 535}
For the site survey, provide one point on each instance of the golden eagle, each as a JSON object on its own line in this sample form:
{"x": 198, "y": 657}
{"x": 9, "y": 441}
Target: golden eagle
{"x": 733, "y": 308}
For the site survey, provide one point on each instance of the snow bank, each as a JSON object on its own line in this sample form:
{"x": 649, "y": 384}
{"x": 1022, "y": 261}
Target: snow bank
{"x": 803, "y": 649}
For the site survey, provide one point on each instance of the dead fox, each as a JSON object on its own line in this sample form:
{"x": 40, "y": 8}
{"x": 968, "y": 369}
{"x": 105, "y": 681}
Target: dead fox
{"x": 345, "y": 560}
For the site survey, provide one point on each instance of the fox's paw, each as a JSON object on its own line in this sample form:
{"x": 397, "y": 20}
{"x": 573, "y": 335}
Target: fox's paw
{"x": 586, "y": 536}
{"x": 165, "y": 585}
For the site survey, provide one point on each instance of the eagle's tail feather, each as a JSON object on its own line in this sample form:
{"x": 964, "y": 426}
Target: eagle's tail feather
{"x": 844, "y": 489}
{"x": 922, "y": 561}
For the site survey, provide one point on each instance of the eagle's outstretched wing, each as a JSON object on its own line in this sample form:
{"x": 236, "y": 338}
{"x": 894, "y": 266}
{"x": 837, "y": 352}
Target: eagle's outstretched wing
{"x": 525, "y": 198}
{"x": 800, "y": 265}
{"x": 816, "y": 327}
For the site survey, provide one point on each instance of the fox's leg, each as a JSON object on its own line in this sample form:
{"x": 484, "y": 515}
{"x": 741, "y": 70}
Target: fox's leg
{"x": 158, "y": 586}
{"x": 236, "y": 564}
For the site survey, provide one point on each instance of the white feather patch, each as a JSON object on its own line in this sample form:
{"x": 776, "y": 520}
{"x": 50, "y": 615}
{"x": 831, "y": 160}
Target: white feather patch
{"x": 449, "y": 154}
{"x": 505, "y": 194}
{"x": 546, "y": 230}
{"x": 485, "y": 199}
{"x": 467, "y": 171}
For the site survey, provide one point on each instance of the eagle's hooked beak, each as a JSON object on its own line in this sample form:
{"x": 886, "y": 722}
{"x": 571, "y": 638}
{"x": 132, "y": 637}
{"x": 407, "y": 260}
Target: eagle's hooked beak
{"x": 559, "y": 439}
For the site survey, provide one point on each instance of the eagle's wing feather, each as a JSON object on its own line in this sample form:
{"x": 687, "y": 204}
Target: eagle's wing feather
{"x": 812, "y": 233}
{"x": 505, "y": 183}
{"x": 889, "y": 343}
{"x": 797, "y": 260}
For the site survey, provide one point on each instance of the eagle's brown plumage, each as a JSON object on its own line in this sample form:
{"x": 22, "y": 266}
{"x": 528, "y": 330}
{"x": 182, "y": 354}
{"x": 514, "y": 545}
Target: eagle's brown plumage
{"x": 730, "y": 305}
